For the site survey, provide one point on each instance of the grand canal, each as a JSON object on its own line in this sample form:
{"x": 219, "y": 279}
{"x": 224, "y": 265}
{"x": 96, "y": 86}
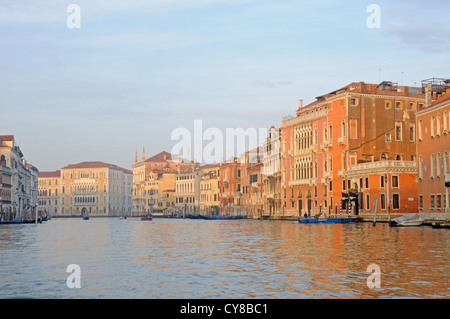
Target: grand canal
{"x": 176, "y": 258}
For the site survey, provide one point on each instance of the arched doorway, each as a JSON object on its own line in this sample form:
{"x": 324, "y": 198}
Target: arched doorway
{"x": 300, "y": 202}
{"x": 308, "y": 201}
{"x": 84, "y": 212}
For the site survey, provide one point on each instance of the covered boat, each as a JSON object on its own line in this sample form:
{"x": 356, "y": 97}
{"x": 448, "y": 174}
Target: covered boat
{"x": 329, "y": 220}
{"x": 411, "y": 219}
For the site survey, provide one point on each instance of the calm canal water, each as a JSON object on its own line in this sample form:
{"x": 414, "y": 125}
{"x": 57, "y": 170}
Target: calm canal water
{"x": 175, "y": 258}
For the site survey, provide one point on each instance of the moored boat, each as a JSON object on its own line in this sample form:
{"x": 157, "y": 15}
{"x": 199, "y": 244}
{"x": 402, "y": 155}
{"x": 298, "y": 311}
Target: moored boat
{"x": 219, "y": 217}
{"x": 406, "y": 220}
{"x": 146, "y": 218}
{"x": 329, "y": 220}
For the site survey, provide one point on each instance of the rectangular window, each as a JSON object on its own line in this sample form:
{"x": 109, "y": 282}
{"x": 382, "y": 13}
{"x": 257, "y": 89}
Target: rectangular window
{"x": 383, "y": 201}
{"x": 398, "y": 131}
{"x": 431, "y": 201}
{"x": 367, "y": 182}
{"x": 387, "y": 105}
{"x": 367, "y": 201}
{"x": 388, "y": 137}
{"x": 382, "y": 181}
{"x": 394, "y": 181}
{"x": 438, "y": 201}
{"x": 395, "y": 201}
{"x": 412, "y": 133}
{"x": 420, "y": 201}
{"x": 398, "y": 105}
{"x": 352, "y": 101}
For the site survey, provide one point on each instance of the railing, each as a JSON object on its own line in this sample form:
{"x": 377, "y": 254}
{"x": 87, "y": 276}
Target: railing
{"x": 325, "y": 144}
{"x": 308, "y": 181}
{"x": 382, "y": 164}
{"x": 304, "y": 118}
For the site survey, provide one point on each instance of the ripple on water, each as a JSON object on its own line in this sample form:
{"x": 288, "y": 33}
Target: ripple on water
{"x": 223, "y": 259}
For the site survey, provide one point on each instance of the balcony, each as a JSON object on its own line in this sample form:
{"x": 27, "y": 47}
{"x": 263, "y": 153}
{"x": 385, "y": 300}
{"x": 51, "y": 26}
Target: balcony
{"x": 303, "y": 182}
{"x": 255, "y": 185}
{"x": 380, "y": 167}
{"x": 325, "y": 144}
{"x": 341, "y": 140}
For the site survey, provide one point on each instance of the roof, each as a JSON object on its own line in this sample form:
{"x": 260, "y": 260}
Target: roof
{"x": 50, "y": 174}
{"x": 96, "y": 164}
{"x": 7, "y": 137}
{"x": 444, "y": 97}
{"x": 160, "y": 157}
{"x": 384, "y": 88}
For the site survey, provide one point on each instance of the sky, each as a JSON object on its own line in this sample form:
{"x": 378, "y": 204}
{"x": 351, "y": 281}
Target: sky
{"x": 136, "y": 70}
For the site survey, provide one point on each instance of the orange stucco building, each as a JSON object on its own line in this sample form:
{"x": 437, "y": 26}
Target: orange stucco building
{"x": 433, "y": 149}
{"x": 357, "y": 141}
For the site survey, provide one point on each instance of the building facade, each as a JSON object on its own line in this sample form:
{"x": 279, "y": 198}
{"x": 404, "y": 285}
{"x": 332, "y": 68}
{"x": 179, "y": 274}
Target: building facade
{"x": 21, "y": 178}
{"x": 433, "y": 150}
{"x": 142, "y": 169}
{"x": 49, "y": 193}
{"x": 95, "y": 189}
{"x": 351, "y": 151}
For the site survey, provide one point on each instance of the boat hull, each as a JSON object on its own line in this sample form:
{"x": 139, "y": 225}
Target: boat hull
{"x": 343, "y": 220}
{"x": 146, "y": 218}
{"x": 219, "y": 217}
{"x": 407, "y": 220}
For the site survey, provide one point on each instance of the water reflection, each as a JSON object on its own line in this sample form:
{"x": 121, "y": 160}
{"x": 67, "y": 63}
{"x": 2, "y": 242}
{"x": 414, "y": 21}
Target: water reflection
{"x": 222, "y": 259}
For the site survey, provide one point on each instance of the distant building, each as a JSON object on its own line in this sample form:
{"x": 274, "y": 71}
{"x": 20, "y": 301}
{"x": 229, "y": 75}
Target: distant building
{"x": 21, "y": 187}
{"x": 209, "y": 200}
{"x": 160, "y": 191}
{"x": 49, "y": 193}
{"x": 141, "y": 170}
{"x": 433, "y": 150}
{"x": 88, "y": 188}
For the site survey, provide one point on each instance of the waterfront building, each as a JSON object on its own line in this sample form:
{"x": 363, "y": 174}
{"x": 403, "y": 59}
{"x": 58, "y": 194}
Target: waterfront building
{"x": 271, "y": 176}
{"x": 352, "y": 149}
{"x": 306, "y": 163}
{"x": 433, "y": 151}
{"x": 5, "y": 190}
{"x": 21, "y": 185}
{"x": 187, "y": 191}
{"x": 229, "y": 177}
{"x": 141, "y": 170}
{"x": 95, "y": 189}
{"x": 209, "y": 200}
{"x": 253, "y": 186}
{"x": 49, "y": 193}
{"x": 159, "y": 192}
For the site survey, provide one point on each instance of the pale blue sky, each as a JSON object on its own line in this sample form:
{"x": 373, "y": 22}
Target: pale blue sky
{"x": 136, "y": 69}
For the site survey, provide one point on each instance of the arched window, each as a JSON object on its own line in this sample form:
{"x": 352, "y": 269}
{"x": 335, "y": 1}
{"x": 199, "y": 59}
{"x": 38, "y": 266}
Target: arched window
{"x": 438, "y": 164}
{"x": 445, "y": 122}
{"x": 432, "y": 165}
{"x": 446, "y": 167}
{"x": 432, "y": 121}
{"x": 438, "y": 124}
{"x": 419, "y": 131}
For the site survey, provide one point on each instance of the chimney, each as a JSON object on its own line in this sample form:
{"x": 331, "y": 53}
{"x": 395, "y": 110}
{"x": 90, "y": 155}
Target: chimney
{"x": 428, "y": 99}
{"x": 405, "y": 90}
{"x": 301, "y": 104}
